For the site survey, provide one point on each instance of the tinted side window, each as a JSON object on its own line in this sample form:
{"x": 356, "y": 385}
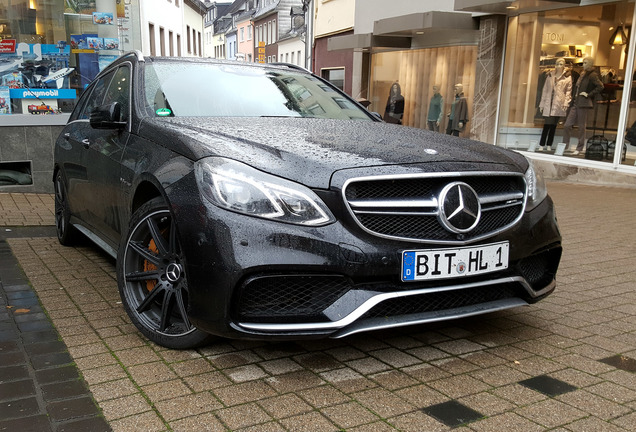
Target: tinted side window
{"x": 119, "y": 91}
{"x": 96, "y": 97}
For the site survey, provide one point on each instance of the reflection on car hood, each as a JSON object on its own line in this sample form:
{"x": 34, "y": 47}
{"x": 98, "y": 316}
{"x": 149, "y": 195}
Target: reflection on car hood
{"x": 311, "y": 150}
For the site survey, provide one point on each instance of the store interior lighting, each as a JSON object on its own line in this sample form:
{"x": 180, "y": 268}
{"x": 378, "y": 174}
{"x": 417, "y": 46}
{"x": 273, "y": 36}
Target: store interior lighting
{"x": 618, "y": 37}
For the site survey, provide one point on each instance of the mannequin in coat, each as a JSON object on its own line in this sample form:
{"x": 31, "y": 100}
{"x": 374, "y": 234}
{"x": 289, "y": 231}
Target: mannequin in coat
{"x": 585, "y": 90}
{"x": 458, "y": 116}
{"x": 435, "y": 110}
{"x": 555, "y": 100}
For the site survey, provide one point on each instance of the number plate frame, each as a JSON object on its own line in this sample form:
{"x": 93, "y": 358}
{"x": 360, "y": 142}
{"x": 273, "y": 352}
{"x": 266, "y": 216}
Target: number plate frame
{"x": 433, "y": 264}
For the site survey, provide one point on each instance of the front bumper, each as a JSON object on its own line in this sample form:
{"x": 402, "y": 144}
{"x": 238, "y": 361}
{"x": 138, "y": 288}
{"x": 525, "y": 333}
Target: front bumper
{"x": 254, "y": 278}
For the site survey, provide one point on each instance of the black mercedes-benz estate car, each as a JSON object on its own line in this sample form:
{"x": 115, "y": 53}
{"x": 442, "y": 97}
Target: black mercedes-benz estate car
{"x": 259, "y": 201}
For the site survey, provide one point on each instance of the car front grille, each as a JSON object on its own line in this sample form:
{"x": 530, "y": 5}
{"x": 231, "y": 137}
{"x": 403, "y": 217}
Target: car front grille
{"x": 300, "y": 298}
{"x": 407, "y": 208}
{"x": 539, "y": 269}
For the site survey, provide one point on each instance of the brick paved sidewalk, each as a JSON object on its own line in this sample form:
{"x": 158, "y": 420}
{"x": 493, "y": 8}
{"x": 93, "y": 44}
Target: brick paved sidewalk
{"x": 566, "y": 363}
{"x": 24, "y": 209}
{"x": 40, "y": 388}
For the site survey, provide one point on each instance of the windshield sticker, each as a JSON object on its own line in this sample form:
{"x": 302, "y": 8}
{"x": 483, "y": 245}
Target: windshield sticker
{"x": 163, "y": 112}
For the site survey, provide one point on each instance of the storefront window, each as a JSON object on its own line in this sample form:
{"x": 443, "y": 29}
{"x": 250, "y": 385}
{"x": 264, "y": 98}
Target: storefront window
{"x": 564, "y": 76}
{"x": 416, "y": 72}
{"x": 50, "y": 50}
{"x": 628, "y": 154}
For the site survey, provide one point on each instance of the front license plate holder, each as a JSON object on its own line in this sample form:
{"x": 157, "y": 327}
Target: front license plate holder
{"x": 431, "y": 264}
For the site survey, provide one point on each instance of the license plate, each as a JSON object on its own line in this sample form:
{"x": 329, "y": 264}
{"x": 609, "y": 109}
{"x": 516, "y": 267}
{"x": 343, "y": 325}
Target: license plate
{"x": 427, "y": 264}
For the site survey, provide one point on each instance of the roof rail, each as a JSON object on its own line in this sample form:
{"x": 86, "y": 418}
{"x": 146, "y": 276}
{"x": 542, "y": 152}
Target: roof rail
{"x": 136, "y": 53}
{"x": 291, "y": 66}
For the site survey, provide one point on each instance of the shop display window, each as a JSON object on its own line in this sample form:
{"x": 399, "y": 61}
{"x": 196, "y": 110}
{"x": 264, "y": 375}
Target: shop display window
{"x": 533, "y": 81}
{"x": 50, "y": 50}
{"x": 416, "y": 72}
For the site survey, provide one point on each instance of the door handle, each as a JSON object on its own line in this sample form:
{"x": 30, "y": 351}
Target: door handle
{"x": 86, "y": 142}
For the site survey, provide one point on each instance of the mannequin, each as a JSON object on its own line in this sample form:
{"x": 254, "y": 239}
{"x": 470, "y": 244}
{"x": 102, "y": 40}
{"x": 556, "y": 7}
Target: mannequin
{"x": 458, "y": 116}
{"x": 555, "y": 99}
{"x": 586, "y": 88}
{"x": 394, "y": 105}
{"x": 435, "y": 110}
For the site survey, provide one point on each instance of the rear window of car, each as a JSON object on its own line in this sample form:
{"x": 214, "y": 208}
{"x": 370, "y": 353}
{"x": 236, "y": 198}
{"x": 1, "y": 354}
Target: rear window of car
{"x": 219, "y": 90}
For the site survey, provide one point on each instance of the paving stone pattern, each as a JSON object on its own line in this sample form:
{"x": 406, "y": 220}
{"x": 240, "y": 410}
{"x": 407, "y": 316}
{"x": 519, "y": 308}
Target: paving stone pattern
{"x": 564, "y": 364}
{"x": 40, "y": 389}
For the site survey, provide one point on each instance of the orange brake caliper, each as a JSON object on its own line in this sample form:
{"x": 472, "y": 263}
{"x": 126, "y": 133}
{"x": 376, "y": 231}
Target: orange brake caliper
{"x": 148, "y": 266}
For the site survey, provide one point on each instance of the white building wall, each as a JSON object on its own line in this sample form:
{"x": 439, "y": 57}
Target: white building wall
{"x": 289, "y": 49}
{"x": 369, "y": 11}
{"x": 208, "y": 36}
{"x": 194, "y": 19}
{"x": 218, "y": 42}
{"x": 231, "y": 47}
{"x": 334, "y": 16}
{"x": 160, "y": 13}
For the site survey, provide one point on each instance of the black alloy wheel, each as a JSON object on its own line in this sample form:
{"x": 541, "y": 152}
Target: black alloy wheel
{"x": 153, "y": 284}
{"x": 66, "y": 233}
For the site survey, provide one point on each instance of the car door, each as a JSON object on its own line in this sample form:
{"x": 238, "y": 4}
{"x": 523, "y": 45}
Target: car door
{"x": 75, "y": 143}
{"x": 104, "y": 149}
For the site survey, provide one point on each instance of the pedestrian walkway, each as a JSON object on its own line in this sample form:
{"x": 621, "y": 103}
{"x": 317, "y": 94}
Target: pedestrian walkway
{"x": 566, "y": 363}
{"x": 40, "y": 387}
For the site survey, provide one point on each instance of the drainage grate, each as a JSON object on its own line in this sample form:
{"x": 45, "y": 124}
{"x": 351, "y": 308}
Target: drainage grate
{"x": 547, "y": 385}
{"x": 453, "y": 413}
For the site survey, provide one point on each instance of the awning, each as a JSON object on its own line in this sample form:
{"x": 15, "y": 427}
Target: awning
{"x": 501, "y": 7}
{"x": 410, "y": 31}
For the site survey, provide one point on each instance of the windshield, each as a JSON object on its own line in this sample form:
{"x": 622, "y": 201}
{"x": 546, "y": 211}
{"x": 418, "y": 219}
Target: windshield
{"x": 220, "y": 90}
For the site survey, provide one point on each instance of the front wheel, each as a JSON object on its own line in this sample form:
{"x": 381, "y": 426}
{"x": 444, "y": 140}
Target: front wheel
{"x": 66, "y": 233}
{"x": 152, "y": 279}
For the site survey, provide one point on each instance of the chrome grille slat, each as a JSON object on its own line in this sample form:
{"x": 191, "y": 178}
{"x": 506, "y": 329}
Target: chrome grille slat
{"x": 407, "y": 207}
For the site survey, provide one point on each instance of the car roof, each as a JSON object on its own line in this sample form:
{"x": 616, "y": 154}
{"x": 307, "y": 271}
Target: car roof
{"x": 137, "y": 56}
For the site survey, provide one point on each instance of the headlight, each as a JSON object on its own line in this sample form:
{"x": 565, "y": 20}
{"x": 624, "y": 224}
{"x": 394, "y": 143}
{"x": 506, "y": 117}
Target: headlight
{"x": 535, "y": 183}
{"x": 238, "y": 187}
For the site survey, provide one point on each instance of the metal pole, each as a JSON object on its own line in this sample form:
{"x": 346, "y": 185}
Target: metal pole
{"x": 309, "y": 31}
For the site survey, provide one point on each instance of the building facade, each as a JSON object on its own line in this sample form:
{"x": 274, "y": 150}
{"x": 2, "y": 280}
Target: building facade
{"x": 503, "y": 53}
{"x": 50, "y": 50}
{"x": 337, "y": 18}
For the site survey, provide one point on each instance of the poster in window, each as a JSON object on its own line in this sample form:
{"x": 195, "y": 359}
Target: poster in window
{"x": 95, "y": 43}
{"x": 111, "y": 43}
{"x": 78, "y": 41}
{"x": 12, "y": 80}
{"x": 103, "y": 18}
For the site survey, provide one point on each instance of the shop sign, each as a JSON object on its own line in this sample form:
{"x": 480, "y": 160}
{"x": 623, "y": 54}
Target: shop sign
{"x": 553, "y": 38}
{"x": 7, "y": 46}
{"x": 43, "y": 93}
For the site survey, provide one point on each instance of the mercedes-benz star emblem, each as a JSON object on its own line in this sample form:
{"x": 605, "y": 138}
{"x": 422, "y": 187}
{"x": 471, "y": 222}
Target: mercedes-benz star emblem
{"x": 459, "y": 208}
{"x": 173, "y": 272}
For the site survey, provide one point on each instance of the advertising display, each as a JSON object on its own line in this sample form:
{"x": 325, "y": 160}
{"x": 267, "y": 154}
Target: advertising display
{"x": 79, "y": 39}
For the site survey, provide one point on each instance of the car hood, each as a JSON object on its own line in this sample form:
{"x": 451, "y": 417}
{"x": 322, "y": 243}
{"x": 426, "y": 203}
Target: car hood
{"x": 310, "y": 151}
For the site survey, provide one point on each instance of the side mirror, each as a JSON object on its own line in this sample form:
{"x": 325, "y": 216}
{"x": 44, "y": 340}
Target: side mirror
{"x": 107, "y": 117}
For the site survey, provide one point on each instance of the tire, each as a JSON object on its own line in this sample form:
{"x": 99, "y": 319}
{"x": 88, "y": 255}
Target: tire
{"x": 67, "y": 234}
{"x": 152, "y": 280}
